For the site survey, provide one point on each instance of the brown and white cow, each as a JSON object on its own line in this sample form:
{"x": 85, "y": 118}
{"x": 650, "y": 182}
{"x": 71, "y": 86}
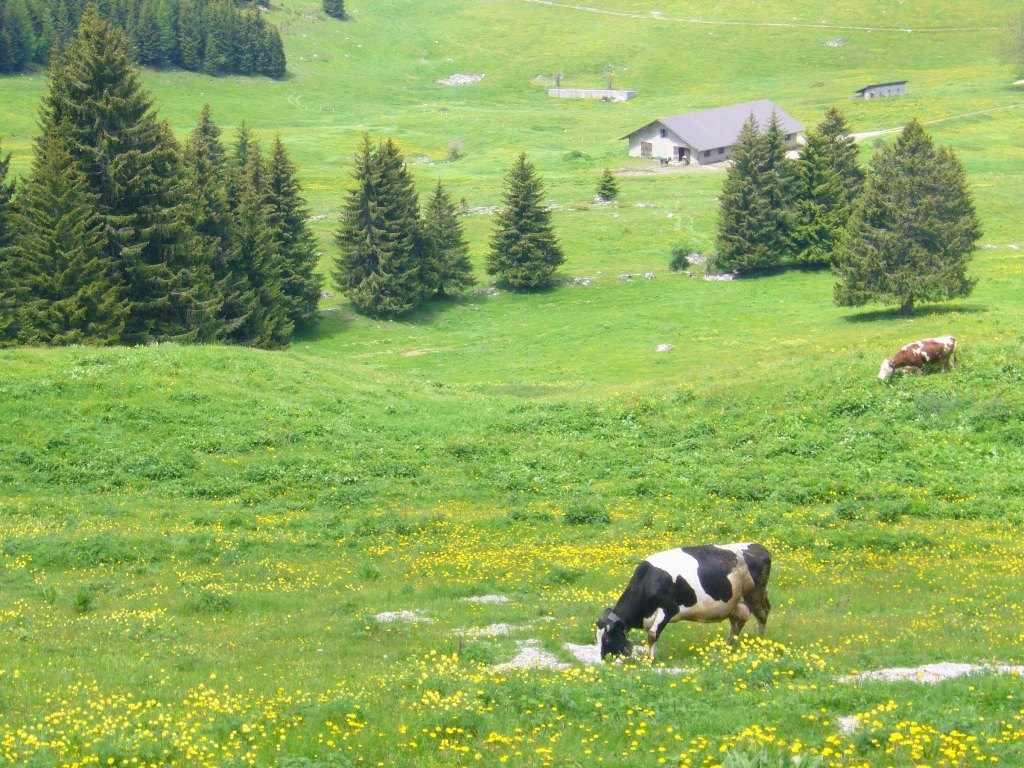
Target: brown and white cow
{"x": 916, "y": 355}
{"x": 705, "y": 583}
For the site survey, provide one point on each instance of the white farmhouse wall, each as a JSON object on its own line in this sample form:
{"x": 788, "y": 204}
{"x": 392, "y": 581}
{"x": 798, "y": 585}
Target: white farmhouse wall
{"x": 660, "y": 147}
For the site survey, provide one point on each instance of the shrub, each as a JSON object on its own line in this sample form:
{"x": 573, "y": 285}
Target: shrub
{"x": 587, "y": 512}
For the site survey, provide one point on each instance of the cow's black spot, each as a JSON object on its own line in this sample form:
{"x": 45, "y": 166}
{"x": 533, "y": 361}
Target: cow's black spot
{"x": 713, "y": 568}
{"x": 759, "y": 563}
{"x": 684, "y": 593}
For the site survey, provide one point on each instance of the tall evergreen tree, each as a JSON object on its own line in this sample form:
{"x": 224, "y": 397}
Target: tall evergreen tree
{"x": 7, "y": 304}
{"x": 99, "y": 111}
{"x": 6, "y": 196}
{"x": 204, "y": 163}
{"x": 335, "y": 8}
{"x": 524, "y": 248}
{"x": 259, "y": 261}
{"x": 17, "y": 37}
{"x": 913, "y": 229}
{"x": 755, "y": 207}
{"x": 379, "y": 266}
{"x": 288, "y": 215}
{"x": 63, "y": 285}
{"x": 448, "y": 270}
{"x": 829, "y": 179}
{"x": 190, "y": 35}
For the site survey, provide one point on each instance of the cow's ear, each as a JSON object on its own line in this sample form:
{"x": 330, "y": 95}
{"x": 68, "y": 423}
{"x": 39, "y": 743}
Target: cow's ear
{"x": 601, "y": 624}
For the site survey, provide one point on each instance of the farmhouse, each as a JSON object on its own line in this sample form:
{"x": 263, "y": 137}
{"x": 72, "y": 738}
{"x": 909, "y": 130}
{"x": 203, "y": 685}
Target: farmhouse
{"x": 706, "y": 137}
{"x": 883, "y": 89}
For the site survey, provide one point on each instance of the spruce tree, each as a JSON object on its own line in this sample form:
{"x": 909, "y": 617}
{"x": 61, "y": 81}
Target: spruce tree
{"x": 204, "y": 163}
{"x": 755, "y": 207}
{"x": 98, "y": 110}
{"x": 379, "y": 265}
{"x": 6, "y": 196}
{"x": 524, "y": 248}
{"x": 829, "y": 179}
{"x": 6, "y": 252}
{"x": 288, "y": 215}
{"x": 259, "y": 261}
{"x": 449, "y": 270}
{"x": 607, "y": 186}
{"x": 744, "y": 212}
{"x": 63, "y": 285}
{"x": 913, "y": 230}
{"x": 335, "y": 8}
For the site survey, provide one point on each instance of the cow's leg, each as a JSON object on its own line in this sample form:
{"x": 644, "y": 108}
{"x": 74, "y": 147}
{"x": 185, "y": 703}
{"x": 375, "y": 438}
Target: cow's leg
{"x": 737, "y": 619}
{"x": 655, "y": 624}
{"x": 760, "y": 607}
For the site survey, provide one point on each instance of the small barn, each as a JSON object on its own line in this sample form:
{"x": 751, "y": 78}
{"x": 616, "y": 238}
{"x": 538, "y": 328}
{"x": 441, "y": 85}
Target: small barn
{"x": 898, "y": 88}
{"x": 706, "y": 137}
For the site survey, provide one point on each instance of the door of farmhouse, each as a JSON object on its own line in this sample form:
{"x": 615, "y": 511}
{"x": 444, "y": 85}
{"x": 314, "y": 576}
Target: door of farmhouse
{"x": 646, "y": 149}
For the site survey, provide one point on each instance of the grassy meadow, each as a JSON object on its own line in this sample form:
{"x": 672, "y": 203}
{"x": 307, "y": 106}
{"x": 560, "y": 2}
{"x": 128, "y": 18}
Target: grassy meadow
{"x": 196, "y": 542}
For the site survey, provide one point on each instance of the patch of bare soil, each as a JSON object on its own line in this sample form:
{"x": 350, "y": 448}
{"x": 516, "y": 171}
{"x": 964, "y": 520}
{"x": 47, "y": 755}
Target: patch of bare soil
{"x": 671, "y": 168}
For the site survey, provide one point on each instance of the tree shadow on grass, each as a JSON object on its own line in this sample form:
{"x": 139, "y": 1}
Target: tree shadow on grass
{"x": 935, "y": 310}
{"x": 333, "y": 322}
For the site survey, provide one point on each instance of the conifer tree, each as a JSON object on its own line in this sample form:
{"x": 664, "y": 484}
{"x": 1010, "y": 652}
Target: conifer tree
{"x": 288, "y": 215}
{"x": 259, "y": 261}
{"x": 449, "y": 270}
{"x": 913, "y": 230}
{"x": 607, "y": 186}
{"x": 755, "y": 205}
{"x": 6, "y": 252}
{"x": 204, "y": 163}
{"x": 335, "y": 8}
{"x": 524, "y": 248}
{"x": 379, "y": 265}
{"x": 6, "y": 196}
{"x": 98, "y": 110}
{"x": 63, "y": 286}
{"x": 17, "y": 37}
{"x": 829, "y": 179}
{"x": 190, "y": 35}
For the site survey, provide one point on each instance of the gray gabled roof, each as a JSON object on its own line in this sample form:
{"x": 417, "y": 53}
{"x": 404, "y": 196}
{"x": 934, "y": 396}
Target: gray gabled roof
{"x": 880, "y": 85}
{"x": 719, "y": 127}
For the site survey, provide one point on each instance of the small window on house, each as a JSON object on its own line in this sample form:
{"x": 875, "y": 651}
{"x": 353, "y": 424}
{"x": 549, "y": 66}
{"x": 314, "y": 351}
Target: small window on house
{"x": 663, "y": 133}
{"x": 721, "y": 150}
{"x": 707, "y": 153}
{"x": 790, "y": 136}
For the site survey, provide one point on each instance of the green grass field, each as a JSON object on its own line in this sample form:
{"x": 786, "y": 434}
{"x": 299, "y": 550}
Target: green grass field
{"x": 195, "y": 541}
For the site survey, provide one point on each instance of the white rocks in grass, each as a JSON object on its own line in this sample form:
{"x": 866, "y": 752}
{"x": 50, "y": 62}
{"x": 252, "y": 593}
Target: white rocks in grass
{"x": 664, "y": 348}
{"x": 589, "y": 654}
{"x": 532, "y": 656}
{"x": 721, "y": 278}
{"x": 412, "y": 617}
{"x": 487, "y": 599}
{"x": 494, "y": 630}
{"x": 931, "y": 673}
{"x": 460, "y": 79}
{"x": 849, "y": 724}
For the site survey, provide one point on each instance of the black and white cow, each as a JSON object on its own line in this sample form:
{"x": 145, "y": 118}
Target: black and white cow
{"x": 705, "y": 583}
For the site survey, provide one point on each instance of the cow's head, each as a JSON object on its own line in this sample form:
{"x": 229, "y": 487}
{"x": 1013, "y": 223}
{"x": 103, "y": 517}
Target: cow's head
{"x": 885, "y": 371}
{"x": 612, "y": 635}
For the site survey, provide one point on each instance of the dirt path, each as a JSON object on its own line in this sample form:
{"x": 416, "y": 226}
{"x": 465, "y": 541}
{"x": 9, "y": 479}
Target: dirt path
{"x": 655, "y": 16}
{"x": 870, "y": 134}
